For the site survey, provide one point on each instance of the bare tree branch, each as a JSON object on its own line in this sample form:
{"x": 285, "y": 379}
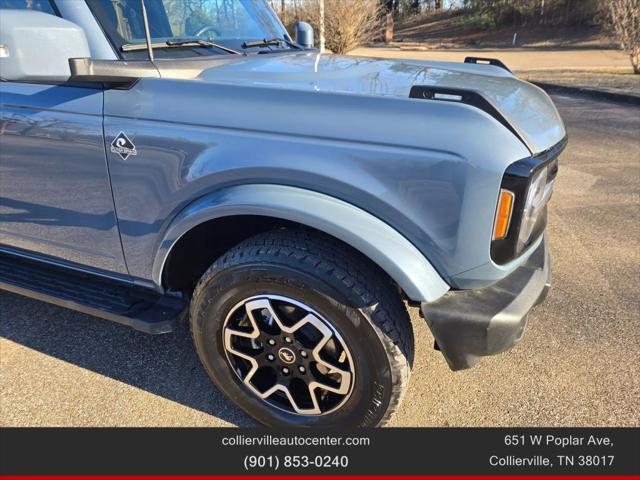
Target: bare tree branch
{"x": 625, "y": 20}
{"x": 348, "y": 23}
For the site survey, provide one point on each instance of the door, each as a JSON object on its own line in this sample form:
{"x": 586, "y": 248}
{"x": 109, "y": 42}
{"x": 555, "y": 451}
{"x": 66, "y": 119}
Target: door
{"x": 55, "y": 192}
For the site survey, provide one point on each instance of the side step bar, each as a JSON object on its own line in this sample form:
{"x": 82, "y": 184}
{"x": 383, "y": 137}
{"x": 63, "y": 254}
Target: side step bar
{"x": 120, "y": 302}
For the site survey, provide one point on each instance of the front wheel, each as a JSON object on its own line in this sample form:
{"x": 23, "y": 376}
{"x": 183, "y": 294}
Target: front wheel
{"x": 298, "y": 329}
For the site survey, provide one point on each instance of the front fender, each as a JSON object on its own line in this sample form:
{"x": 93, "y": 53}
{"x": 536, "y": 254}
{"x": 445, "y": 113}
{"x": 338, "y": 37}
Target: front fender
{"x": 372, "y": 237}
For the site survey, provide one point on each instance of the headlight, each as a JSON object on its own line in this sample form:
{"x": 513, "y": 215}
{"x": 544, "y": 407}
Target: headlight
{"x": 533, "y": 205}
{"x": 520, "y": 216}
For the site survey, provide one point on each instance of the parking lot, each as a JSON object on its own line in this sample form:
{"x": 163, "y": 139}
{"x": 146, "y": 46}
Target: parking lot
{"x": 577, "y": 365}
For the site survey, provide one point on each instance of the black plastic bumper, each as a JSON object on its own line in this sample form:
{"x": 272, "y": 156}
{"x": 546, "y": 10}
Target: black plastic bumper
{"x": 469, "y": 324}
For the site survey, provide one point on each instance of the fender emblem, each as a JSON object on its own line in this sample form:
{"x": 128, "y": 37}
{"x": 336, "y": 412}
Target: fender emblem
{"x": 123, "y": 146}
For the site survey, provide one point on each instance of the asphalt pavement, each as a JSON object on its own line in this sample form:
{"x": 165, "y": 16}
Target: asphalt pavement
{"x": 578, "y": 363}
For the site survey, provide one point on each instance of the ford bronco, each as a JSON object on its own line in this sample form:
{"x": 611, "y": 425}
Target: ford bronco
{"x": 165, "y": 159}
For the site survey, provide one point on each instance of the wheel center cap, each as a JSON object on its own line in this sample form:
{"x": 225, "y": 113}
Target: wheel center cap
{"x": 286, "y": 355}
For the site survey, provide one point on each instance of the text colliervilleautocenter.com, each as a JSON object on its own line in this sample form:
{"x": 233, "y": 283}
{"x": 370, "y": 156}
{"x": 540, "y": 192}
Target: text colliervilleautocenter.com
{"x": 267, "y": 440}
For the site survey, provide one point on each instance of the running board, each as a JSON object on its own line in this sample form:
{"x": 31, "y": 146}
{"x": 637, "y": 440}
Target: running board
{"x": 120, "y": 302}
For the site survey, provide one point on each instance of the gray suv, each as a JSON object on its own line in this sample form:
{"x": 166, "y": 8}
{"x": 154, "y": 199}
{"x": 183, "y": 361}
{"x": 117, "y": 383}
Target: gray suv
{"x": 161, "y": 160}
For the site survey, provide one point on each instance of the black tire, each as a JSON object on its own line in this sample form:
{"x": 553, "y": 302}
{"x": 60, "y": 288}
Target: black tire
{"x": 355, "y": 296}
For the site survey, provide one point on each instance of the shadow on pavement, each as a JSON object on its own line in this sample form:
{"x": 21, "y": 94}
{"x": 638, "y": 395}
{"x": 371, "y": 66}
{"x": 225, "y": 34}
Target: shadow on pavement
{"x": 165, "y": 365}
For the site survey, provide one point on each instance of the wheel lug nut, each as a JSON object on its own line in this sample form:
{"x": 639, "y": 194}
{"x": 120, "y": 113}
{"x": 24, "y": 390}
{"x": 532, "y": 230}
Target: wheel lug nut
{"x": 271, "y": 341}
{"x": 301, "y": 369}
{"x": 285, "y": 370}
{"x": 271, "y": 358}
{"x": 303, "y": 354}
{"x": 287, "y": 339}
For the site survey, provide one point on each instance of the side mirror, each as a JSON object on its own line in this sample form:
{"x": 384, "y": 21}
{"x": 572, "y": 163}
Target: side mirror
{"x": 36, "y": 46}
{"x": 304, "y": 34}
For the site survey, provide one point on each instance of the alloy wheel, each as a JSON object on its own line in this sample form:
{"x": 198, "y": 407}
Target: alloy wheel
{"x": 288, "y": 355}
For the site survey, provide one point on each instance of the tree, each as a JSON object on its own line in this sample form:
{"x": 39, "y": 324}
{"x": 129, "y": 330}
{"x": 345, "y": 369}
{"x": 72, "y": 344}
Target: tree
{"x": 348, "y": 23}
{"x": 625, "y": 20}
{"x": 390, "y": 6}
{"x": 322, "y": 25}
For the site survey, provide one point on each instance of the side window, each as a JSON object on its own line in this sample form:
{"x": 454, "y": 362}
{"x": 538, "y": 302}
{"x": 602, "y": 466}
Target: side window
{"x": 39, "y": 5}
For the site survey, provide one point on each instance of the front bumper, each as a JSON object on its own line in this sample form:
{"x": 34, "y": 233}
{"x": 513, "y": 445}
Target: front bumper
{"x": 469, "y": 324}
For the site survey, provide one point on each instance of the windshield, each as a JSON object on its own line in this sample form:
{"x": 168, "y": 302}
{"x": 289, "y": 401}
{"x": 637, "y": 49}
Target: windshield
{"x": 226, "y": 22}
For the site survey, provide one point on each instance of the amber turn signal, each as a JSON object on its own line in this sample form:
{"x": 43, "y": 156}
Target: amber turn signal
{"x": 503, "y": 214}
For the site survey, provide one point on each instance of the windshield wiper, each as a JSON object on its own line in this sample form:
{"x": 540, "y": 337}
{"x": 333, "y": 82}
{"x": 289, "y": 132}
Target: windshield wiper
{"x": 203, "y": 43}
{"x": 267, "y": 42}
{"x": 187, "y": 42}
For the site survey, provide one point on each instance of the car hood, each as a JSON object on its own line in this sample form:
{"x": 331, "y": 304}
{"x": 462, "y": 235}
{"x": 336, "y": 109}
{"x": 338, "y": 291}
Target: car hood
{"x": 527, "y": 108}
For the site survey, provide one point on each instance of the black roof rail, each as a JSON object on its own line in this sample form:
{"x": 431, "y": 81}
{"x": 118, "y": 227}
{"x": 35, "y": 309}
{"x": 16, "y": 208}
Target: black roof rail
{"x": 487, "y": 61}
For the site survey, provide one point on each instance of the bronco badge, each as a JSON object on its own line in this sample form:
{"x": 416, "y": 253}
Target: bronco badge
{"x": 286, "y": 355}
{"x": 123, "y": 146}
